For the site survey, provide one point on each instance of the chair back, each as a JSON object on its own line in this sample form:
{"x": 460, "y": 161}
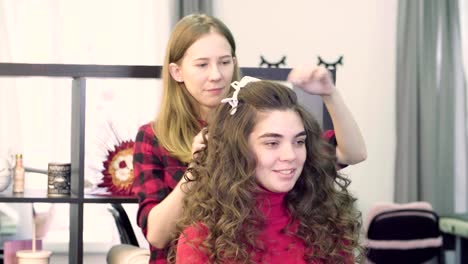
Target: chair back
{"x": 124, "y": 226}
{"x": 403, "y": 233}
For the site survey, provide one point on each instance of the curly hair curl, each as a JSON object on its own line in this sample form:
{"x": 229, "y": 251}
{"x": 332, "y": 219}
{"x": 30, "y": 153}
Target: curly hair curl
{"x": 221, "y": 187}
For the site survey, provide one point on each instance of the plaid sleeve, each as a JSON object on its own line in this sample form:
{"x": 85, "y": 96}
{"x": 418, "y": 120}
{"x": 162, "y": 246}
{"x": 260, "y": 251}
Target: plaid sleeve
{"x": 148, "y": 168}
{"x": 329, "y": 135}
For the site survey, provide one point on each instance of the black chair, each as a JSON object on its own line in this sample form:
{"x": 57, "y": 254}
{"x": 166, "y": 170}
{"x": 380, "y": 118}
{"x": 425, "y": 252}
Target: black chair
{"x": 128, "y": 251}
{"x": 402, "y": 234}
{"x": 124, "y": 226}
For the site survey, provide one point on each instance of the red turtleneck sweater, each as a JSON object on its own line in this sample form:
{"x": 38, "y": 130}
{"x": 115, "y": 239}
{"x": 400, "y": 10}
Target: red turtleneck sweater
{"x": 280, "y": 248}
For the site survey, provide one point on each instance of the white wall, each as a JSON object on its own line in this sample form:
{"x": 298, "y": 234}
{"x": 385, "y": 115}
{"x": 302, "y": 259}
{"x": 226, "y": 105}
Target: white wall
{"x": 364, "y": 33}
{"x": 74, "y": 32}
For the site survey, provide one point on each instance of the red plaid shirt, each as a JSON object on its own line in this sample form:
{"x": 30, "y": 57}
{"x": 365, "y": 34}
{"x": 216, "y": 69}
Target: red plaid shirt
{"x": 156, "y": 175}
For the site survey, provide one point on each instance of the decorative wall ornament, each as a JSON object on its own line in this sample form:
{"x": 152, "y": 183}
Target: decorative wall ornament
{"x": 112, "y": 170}
{"x": 332, "y": 65}
{"x": 268, "y": 64}
{"x": 118, "y": 169}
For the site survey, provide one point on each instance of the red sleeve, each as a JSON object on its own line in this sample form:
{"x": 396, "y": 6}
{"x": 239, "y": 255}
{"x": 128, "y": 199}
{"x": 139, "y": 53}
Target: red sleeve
{"x": 329, "y": 135}
{"x": 188, "y": 246}
{"x": 153, "y": 180}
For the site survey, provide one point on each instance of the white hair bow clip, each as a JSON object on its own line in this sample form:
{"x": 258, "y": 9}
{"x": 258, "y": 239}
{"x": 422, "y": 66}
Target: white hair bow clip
{"x": 237, "y": 85}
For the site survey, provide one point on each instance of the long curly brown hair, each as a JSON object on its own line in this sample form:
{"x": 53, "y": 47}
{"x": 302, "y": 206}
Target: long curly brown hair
{"x": 222, "y": 187}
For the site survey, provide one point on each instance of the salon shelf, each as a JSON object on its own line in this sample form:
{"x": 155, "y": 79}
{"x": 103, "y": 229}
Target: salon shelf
{"x": 109, "y": 199}
{"x": 42, "y": 197}
{"x": 36, "y": 196}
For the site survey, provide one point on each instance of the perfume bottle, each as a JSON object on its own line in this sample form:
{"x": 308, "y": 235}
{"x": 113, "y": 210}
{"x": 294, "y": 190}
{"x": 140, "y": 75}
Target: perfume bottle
{"x": 18, "y": 176}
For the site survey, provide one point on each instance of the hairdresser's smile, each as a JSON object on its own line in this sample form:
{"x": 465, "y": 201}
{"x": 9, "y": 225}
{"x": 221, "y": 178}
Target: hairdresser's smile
{"x": 216, "y": 91}
{"x": 279, "y": 148}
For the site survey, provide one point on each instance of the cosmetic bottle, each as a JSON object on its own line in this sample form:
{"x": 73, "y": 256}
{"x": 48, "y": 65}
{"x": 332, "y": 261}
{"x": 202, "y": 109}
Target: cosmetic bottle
{"x": 18, "y": 175}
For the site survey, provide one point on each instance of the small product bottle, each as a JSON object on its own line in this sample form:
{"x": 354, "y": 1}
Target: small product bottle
{"x": 18, "y": 176}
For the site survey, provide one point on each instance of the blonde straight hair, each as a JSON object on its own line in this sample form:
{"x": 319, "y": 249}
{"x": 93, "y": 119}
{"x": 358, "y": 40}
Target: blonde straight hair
{"x": 177, "y": 122}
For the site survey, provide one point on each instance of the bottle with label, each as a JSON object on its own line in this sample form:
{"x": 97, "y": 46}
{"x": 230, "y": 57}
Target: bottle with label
{"x": 18, "y": 176}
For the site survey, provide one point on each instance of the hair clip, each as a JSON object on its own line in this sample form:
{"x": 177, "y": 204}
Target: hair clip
{"x": 237, "y": 85}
